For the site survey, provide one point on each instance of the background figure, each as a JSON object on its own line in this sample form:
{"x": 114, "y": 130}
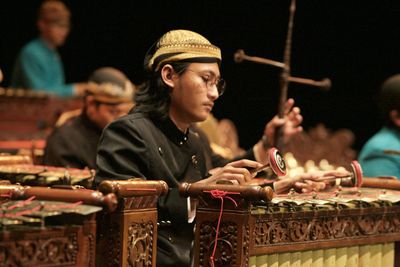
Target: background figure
{"x": 38, "y": 65}
{"x": 223, "y": 136}
{"x": 74, "y": 143}
{"x": 380, "y": 156}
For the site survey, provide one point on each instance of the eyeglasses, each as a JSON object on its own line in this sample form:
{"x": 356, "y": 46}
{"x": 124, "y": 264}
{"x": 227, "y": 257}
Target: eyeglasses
{"x": 211, "y": 80}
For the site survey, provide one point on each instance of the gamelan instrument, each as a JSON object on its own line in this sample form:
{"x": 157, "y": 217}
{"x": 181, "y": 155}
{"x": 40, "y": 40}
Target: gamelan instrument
{"x": 27, "y": 114}
{"x": 61, "y": 226}
{"x": 49, "y": 227}
{"x": 276, "y": 163}
{"x": 274, "y": 168}
{"x": 66, "y": 194}
{"x": 324, "y": 84}
{"x": 347, "y": 227}
{"x": 133, "y": 187}
{"x": 127, "y": 236}
{"x": 285, "y": 76}
{"x": 354, "y": 179}
{"x": 41, "y": 175}
{"x": 249, "y": 192}
{"x": 383, "y": 182}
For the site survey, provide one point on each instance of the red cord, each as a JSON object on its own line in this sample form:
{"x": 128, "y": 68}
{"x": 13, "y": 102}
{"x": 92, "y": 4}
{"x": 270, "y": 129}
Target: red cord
{"x": 62, "y": 206}
{"x": 39, "y": 207}
{"x": 21, "y": 213}
{"x": 22, "y": 203}
{"x": 220, "y": 195}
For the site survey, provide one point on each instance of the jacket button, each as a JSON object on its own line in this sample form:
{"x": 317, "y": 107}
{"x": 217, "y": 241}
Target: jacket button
{"x": 194, "y": 160}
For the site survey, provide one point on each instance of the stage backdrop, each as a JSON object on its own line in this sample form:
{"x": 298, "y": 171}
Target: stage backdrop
{"x": 354, "y": 43}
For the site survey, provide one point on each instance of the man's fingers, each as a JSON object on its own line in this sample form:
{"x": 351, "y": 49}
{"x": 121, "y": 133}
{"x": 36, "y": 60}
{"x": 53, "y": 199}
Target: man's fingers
{"x": 288, "y": 105}
{"x": 245, "y": 163}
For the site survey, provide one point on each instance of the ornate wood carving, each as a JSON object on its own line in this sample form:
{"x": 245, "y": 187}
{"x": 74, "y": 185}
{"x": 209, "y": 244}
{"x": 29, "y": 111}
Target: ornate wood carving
{"x": 130, "y": 233}
{"x": 332, "y": 226}
{"x": 294, "y": 223}
{"x": 127, "y": 241}
{"x": 50, "y": 246}
{"x": 134, "y": 203}
{"x": 39, "y": 252}
{"x": 91, "y": 238}
{"x": 47, "y": 233}
{"x": 246, "y": 245}
{"x": 227, "y": 243}
{"x": 140, "y": 244}
{"x": 127, "y": 238}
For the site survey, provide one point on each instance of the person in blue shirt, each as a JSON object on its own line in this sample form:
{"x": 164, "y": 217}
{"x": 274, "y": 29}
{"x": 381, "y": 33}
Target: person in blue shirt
{"x": 380, "y": 156}
{"x": 38, "y": 65}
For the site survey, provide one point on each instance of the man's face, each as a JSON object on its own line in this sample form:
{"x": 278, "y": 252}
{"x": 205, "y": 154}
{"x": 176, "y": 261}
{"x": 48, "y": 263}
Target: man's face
{"x": 102, "y": 114}
{"x": 54, "y": 33}
{"x": 192, "y": 96}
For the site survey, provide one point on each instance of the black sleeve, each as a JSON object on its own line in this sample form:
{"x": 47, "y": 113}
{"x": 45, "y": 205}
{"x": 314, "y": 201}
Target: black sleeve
{"x": 60, "y": 152}
{"x": 121, "y": 153}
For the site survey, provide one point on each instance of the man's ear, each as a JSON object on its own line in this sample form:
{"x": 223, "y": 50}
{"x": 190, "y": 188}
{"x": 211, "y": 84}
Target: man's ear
{"x": 167, "y": 74}
{"x": 395, "y": 117}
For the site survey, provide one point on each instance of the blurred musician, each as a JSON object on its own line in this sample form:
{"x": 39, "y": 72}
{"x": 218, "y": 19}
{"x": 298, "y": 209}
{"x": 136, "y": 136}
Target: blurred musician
{"x": 74, "y": 143}
{"x": 156, "y": 140}
{"x": 380, "y": 156}
{"x": 38, "y": 65}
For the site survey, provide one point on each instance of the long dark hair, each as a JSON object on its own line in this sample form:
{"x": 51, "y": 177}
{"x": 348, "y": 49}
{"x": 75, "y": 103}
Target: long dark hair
{"x": 154, "y": 98}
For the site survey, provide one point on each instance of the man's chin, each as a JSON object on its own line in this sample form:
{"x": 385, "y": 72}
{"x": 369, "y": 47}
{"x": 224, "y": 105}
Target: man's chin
{"x": 203, "y": 117}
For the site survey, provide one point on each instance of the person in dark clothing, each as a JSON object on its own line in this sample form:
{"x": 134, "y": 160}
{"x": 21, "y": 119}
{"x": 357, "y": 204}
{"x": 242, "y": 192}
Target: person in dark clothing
{"x": 74, "y": 143}
{"x": 158, "y": 140}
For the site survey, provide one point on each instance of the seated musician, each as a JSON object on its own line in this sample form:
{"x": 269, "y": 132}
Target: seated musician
{"x": 380, "y": 156}
{"x": 74, "y": 143}
{"x": 156, "y": 140}
{"x": 38, "y": 65}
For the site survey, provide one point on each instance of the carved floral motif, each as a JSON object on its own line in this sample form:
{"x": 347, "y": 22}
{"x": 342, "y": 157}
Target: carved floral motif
{"x": 140, "y": 244}
{"x": 40, "y": 251}
{"x": 225, "y": 254}
{"x": 269, "y": 231}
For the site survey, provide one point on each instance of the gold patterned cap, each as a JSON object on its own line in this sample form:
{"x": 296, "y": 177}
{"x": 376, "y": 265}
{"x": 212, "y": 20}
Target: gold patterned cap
{"x": 177, "y": 45}
{"x": 111, "y": 86}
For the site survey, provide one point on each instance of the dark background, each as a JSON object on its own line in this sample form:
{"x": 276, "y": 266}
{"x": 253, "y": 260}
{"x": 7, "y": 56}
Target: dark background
{"x": 354, "y": 43}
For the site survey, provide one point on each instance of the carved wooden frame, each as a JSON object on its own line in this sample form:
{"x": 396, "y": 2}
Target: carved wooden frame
{"x": 244, "y": 232}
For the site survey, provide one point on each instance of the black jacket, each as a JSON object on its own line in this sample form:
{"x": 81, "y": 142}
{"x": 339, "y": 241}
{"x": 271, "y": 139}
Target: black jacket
{"x": 73, "y": 145}
{"x": 136, "y": 146}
